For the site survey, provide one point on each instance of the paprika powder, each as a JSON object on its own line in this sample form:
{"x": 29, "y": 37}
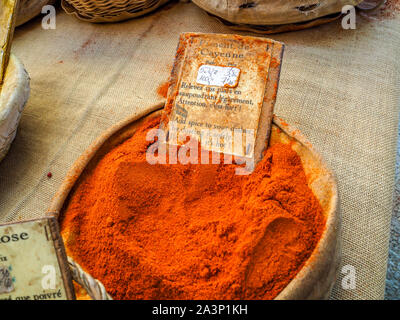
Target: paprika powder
{"x": 195, "y": 231}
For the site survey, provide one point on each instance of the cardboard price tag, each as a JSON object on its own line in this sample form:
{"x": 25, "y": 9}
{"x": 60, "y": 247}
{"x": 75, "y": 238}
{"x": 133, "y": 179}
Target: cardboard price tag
{"x": 33, "y": 263}
{"x": 222, "y": 86}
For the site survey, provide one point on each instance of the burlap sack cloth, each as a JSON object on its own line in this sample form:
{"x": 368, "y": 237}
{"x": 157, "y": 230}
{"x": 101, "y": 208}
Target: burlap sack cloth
{"x": 340, "y": 87}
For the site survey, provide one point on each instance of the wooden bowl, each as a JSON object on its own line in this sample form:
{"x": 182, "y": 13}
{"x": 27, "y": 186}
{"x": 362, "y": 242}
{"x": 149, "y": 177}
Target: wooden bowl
{"x": 29, "y": 9}
{"x": 315, "y": 279}
{"x": 13, "y": 97}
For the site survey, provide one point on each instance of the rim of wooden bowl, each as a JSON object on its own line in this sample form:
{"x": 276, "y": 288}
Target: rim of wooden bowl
{"x": 314, "y": 281}
{"x": 317, "y": 277}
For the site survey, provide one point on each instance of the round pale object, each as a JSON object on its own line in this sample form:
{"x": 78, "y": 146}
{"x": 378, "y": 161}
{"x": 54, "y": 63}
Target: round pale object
{"x": 314, "y": 281}
{"x": 29, "y": 9}
{"x": 272, "y": 12}
{"x": 13, "y": 96}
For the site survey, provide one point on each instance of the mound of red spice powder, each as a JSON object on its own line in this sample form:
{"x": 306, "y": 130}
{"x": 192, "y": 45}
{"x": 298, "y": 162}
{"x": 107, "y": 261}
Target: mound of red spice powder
{"x": 192, "y": 231}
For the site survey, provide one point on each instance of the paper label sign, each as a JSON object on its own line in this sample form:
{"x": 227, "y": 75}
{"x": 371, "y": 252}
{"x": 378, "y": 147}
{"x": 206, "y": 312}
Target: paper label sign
{"x": 33, "y": 264}
{"x": 222, "y": 90}
{"x": 218, "y": 76}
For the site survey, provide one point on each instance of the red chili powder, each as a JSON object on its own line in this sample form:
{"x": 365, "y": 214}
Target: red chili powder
{"x": 196, "y": 231}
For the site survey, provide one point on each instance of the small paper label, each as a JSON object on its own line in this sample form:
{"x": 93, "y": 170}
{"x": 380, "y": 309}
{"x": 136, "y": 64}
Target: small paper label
{"x": 6, "y": 281}
{"x": 218, "y": 76}
{"x": 29, "y": 266}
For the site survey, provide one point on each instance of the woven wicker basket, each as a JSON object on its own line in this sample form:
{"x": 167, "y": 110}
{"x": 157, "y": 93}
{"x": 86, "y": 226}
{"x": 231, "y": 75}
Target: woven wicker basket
{"x": 109, "y": 10}
{"x": 314, "y": 281}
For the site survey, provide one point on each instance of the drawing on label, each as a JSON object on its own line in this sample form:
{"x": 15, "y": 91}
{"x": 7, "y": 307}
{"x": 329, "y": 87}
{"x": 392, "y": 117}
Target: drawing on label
{"x": 6, "y": 283}
{"x": 218, "y": 76}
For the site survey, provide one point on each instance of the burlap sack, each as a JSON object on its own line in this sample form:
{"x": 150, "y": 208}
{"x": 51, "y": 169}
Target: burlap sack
{"x": 339, "y": 87}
